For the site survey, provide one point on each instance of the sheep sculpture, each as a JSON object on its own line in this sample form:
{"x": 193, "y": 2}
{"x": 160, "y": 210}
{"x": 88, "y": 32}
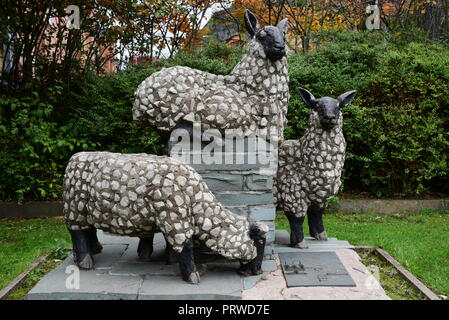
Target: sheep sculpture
{"x": 139, "y": 195}
{"x": 310, "y": 168}
{"x": 252, "y": 98}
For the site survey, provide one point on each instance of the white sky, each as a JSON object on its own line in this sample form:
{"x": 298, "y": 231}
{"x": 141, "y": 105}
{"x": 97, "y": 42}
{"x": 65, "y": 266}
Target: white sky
{"x": 215, "y": 7}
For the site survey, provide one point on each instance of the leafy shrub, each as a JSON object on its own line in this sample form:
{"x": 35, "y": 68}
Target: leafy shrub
{"x": 33, "y": 148}
{"x": 397, "y": 129}
{"x": 37, "y": 137}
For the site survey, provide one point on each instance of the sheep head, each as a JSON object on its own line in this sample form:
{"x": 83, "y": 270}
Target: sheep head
{"x": 272, "y": 38}
{"x": 328, "y": 109}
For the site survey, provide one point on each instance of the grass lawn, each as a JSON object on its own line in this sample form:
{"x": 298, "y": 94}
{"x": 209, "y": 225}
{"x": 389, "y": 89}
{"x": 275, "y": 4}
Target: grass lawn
{"x": 23, "y": 241}
{"x": 420, "y": 242}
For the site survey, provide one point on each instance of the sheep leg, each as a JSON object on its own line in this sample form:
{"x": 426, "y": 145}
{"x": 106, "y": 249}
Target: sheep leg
{"x": 95, "y": 245}
{"x": 296, "y": 234}
{"x": 170, "y": 254}
{"x": 316, "y": 226}
{"x": 82, "y": 248}
{"x": 187, "y": 264}
{"x": 145, "y": 248}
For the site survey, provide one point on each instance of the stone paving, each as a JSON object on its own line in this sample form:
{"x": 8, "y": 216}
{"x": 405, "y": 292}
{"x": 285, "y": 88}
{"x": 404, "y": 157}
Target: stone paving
{"x": 118, "y": 274}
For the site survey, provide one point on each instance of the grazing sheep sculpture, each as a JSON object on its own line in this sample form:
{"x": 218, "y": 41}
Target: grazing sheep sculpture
{"x": 139, "y": 195}
{"x": 310, "y": 168}
{"x": 254, "y": 96}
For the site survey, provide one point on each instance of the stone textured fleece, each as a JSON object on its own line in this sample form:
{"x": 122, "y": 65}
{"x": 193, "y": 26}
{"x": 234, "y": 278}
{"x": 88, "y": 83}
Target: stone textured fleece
{"x": 253, "y": 96}
{"x": 140, "y": 194}
{"x": 309, "y": 170}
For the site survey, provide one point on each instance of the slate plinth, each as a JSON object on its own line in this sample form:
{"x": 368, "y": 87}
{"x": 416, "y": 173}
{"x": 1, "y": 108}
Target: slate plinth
{"x": 119, "y": 275}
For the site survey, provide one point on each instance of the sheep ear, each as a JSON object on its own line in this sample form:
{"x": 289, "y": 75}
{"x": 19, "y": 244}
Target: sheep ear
{"x": 346, "y": 98}
{"x": 307, "y": 97}
{"x": 252, "y": 25}
{"x": 283, "y": 25}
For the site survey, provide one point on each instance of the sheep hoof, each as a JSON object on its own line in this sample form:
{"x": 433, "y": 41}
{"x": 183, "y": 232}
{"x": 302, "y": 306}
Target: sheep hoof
{"x": 194, "y": 278}
{"x": 321, "y": 236}
{"x": 301, "y": 245}
{"x": 87, "y": 263}
{"x": 96, "y": 248}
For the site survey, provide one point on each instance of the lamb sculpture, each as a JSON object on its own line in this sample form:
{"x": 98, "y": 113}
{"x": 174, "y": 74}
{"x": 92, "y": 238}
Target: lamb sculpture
{"x": 139, "y": 195}
{"x": 310, "y": 168}
{"x": 253, "y": 97}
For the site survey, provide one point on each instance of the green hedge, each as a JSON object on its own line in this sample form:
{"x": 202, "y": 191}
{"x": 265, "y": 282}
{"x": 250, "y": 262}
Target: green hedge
{"x": 396, "y": 129}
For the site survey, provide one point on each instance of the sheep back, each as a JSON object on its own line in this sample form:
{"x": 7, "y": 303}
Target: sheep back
{"x": 177, "y": 94}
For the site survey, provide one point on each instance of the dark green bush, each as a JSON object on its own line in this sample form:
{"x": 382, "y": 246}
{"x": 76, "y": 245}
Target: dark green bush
{"x": 397, "y": 129}
{"x": 33, "y": 149}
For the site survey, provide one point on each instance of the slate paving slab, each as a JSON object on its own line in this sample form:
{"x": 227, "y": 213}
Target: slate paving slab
{"x": 220, "y": 285}
{"x": 93, "y": 285}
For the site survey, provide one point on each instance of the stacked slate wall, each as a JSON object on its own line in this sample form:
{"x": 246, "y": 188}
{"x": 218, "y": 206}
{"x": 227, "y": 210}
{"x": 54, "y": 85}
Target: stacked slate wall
{"x": 244, "y": 188}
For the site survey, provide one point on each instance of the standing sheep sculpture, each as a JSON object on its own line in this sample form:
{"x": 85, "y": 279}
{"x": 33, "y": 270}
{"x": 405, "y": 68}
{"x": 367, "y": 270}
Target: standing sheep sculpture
{"x": 139, "y": 195}
{"x": 254, "y": 96}
{"x": 310, "y": 168}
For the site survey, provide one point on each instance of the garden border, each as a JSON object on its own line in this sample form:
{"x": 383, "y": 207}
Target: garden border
{"x": 36, "y": 209}
{"x": 4, "y": 293}
{"x": 407, "y": 275}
